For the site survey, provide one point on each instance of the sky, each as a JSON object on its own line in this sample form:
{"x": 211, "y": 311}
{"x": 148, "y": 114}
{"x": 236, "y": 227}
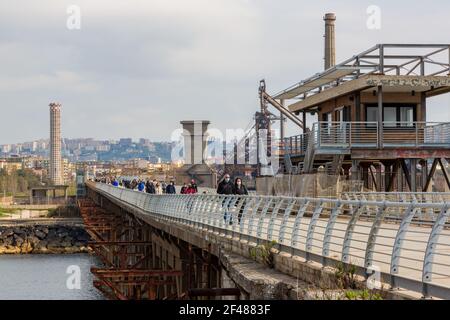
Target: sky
{"x": 137, "y": 68}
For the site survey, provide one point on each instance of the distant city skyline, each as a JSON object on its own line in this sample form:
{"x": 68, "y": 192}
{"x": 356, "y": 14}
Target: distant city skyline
{"x": 135, "y": 69}
{"x": 86, "y": 149}
{"x": 84, "y": 138}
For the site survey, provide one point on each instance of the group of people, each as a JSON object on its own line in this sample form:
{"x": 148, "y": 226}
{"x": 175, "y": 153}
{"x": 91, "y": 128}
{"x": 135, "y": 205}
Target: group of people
{"x": 190, "y": 188}
{"x": 227, "y": 187}
{"x": 148, "y": 186}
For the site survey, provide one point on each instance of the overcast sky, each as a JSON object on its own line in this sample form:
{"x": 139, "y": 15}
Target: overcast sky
{"x": 136, "y": 68}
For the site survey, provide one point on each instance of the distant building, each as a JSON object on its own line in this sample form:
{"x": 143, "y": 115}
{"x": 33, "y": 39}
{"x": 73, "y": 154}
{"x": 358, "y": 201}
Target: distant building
{"x": 125, "y": 141}
{"x": 11, "y": 164}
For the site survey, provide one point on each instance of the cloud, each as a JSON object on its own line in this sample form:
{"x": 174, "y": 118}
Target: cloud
{"x": 138, "y": 67}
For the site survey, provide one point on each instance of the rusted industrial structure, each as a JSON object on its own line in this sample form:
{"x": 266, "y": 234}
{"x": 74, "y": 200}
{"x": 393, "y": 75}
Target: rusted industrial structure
{"x": 371, "y": 113}
{"x": 140, "y": 262}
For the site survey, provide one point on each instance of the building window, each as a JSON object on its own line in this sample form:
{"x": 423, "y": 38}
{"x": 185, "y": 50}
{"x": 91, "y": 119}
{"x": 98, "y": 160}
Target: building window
{"x": 407, "y": 116}
{"x": 394, "y": 115}
{"x": 372, "y": 116}
{"x": 390, "y": 117}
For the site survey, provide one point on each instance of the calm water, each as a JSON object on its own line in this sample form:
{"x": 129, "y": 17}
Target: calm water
{"x": 45, "y": 277}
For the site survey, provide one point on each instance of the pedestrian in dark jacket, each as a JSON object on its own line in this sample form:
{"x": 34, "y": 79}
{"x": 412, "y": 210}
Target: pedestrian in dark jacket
{"x": 150, "y": 187}
{"x": 184, "y": 188}
{"x": 226, "y": 187}
{"x": 191, "y": 189}
{"x": 194, "y": 186}
{"x": 240, "y": 189}
{"x": 170, "y": 189}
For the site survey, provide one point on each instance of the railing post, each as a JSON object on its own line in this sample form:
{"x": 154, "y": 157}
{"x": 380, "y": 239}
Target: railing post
{"x": 287, "y": 214}
{"x": 272, "y": 219}
{"x": 329, "y": 229}
{"x": 417, "y": 133}
{"x": 254, "y": 213}
{"x": 248, "y": 204}
{"x": 371, "y": 241}
{"x": 311, "y": 228}
{"x": 298, "y": 218}
{"x": 350, "y": 140}
{"x": 356, "y": 212}
{"x": 262, "y": 217}
{"x": 319, "y": 135}
{"x": 399, "y": 239}
{"x": 431, "y": 246}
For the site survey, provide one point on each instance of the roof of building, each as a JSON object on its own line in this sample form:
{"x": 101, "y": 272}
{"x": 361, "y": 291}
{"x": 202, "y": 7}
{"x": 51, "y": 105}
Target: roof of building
{"x": 397, "y": 67}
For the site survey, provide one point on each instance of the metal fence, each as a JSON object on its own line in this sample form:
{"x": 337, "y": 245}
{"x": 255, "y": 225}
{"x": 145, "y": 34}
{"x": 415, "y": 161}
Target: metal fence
{"x": 406, "y": 243}
{"x": 347, "y": 135}
{"x": 422, "y": 197}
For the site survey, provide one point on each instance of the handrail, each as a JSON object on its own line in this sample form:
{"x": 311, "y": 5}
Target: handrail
{"x": 406, "y": 241}
{"x": 365, "y": 134}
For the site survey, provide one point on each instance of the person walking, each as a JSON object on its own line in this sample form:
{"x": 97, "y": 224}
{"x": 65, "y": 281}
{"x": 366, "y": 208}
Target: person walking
{"x": 115, "y": 183}
{"x": 184, "y": 188}
{"x": 150, "y": 187}
{"x": 141, "y": 186}
{"x": 158, "y": 188}
{"x": 191, "y": 189}
{"x": 194, "y": 186}
{"x": 226, "y": 187}
{"x": 170, "y": 189}
{"x": 240, "y": 189}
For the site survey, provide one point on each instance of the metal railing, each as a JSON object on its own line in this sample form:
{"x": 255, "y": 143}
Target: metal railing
{"x": 348, "y": 135}
{"x": 421, "y": 197}
{"x": 409, "y": 250}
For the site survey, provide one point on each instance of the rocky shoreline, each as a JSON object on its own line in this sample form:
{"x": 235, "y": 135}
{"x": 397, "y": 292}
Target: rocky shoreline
{"x": 43, "y": 239}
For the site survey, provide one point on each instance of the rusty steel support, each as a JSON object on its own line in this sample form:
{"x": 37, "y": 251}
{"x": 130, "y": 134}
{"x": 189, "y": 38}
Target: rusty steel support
{"x": 406, "y": 173}
{"x": 141, "y": 262}
{"x": 431, "y": 175}
{"x": 445, "y": 173}
{"x": 374, "y": 180}
{"x": 118, "y": 238}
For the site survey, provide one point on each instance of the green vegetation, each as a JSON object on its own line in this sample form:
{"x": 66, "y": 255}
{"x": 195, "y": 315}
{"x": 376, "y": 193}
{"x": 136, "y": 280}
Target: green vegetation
{"x": 347, "y": 282}
{"x": 264, "y": 253}
{"x": 362, "y": 295}
{"x": 6, "y": 212}
{"x": 345, "y": 275}
{"x": 17, "y": 183}
{"x": 72, "y": 190}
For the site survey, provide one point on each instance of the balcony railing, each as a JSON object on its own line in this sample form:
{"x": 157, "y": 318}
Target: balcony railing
{"x": 348, "y": 135}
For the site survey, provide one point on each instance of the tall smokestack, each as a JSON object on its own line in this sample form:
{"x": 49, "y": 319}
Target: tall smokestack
{"x": 55, "y": 144}
{"x": 330, "y": 48}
